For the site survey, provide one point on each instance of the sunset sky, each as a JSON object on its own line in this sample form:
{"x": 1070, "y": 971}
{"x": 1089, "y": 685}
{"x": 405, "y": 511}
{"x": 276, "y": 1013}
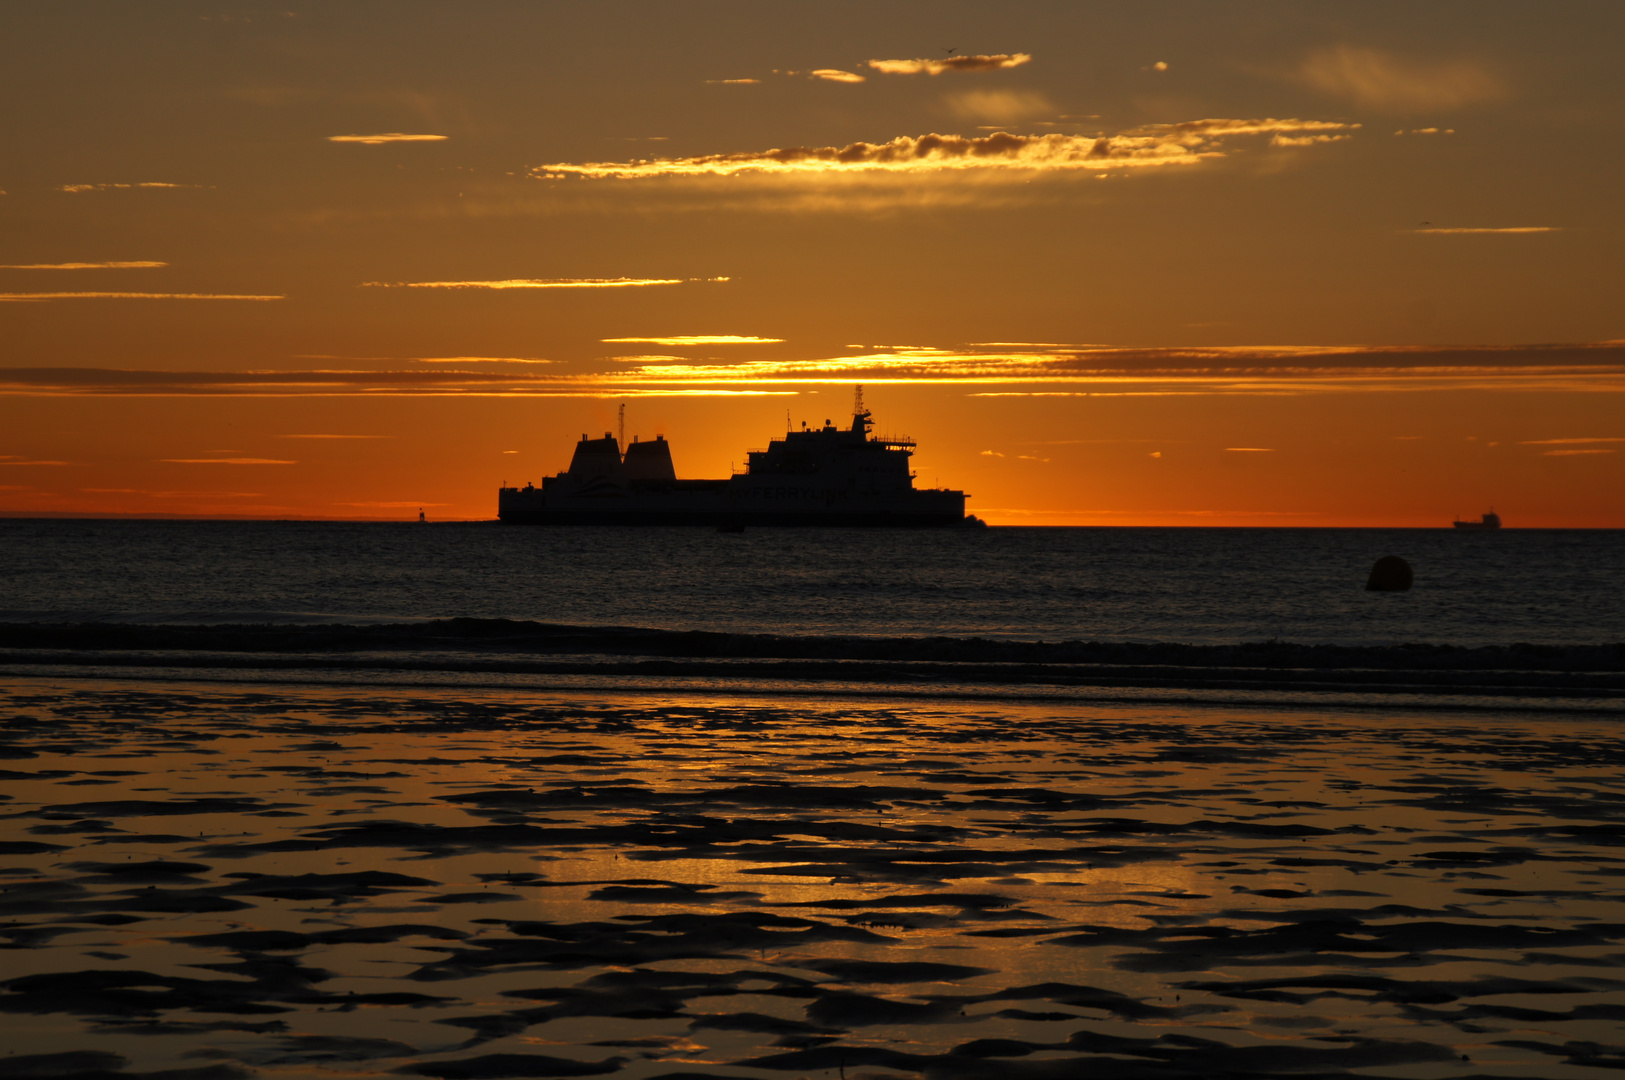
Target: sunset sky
{"x": 1154, "y": 263}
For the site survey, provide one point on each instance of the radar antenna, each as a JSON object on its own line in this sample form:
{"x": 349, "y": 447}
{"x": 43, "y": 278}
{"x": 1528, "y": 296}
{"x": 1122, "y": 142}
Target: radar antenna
{"x": 857, "y": 401}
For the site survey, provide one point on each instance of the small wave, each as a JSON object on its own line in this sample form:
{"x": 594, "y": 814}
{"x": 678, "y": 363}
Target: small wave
{"x": 1594, "y": 673}
{"x": 206, "y": 617}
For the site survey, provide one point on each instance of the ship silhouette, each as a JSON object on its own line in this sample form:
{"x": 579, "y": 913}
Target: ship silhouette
{"x": 816, "y": 476}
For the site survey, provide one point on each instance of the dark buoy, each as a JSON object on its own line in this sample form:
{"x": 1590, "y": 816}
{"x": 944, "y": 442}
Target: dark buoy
{"x": 1390, "y": 574}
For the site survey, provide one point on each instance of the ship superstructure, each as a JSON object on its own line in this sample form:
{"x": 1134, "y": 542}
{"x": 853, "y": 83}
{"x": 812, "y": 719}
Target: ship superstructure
{"x": 1491, "y": 520}
{"x": 815, "y": 476}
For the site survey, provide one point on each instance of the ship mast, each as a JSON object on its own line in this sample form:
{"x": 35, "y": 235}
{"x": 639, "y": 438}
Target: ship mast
{"x": 857, "y": 400}
{"x": 622, "y": 429}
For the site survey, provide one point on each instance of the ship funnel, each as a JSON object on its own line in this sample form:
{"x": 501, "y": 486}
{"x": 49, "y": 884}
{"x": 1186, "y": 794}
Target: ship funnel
{"x": 598, "y": 459}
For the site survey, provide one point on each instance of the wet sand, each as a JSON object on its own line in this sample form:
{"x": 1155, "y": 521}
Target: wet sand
{"x": 214, "y": 880}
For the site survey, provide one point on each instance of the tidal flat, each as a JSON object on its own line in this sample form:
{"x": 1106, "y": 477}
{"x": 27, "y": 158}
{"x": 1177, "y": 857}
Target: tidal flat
{"x": 211, "y": 881}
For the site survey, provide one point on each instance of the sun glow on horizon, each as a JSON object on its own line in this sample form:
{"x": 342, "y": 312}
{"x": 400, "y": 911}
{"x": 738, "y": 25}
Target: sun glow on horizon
{"x": 1359, "y": 267}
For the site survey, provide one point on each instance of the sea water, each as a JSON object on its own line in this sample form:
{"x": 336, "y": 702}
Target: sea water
{"x": 1197, "y": 585}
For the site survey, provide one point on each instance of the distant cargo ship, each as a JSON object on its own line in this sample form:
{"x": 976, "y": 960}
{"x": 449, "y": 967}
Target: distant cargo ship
{"x": 1491, "y": 520}
{"x": 817, "y": 476}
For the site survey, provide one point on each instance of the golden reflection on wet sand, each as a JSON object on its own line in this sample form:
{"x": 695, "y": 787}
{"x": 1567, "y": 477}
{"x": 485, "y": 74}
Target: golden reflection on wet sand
{"x": 213, "y": 881}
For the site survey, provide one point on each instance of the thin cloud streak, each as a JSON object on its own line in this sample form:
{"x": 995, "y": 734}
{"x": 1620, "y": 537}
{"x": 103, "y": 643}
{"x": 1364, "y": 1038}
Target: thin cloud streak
{"x": 477, "y": 360}
{"x": 225, "y": 461}
{"x": 969, "y": 62}
{"x": 103, "y": 382}
{"x": 1380, "y": 80}
{"x": 84, "y": 266}
{"x": 1306, "y": 140}
{"x": 837, "y": 75}
{"x": 75, "y": 189}
{"x": 1569, "y": 442}
{"x": 24, "y": 297}
{"x": 1513, "y": 230}
{"x": 386, "y": 137}
{"x": 535, "y": 283}
{"x": 1152, "y": 145}
{"x": 694, "y": 339}
{"x": 790, "y": 192}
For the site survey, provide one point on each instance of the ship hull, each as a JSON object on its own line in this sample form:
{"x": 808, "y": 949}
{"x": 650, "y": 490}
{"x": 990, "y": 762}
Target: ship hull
{"x": 722, "y": 519}
{"x": 925, "y": 510}
{"x": 719, "y": 504}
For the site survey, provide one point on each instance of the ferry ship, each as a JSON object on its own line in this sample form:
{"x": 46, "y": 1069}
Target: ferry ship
{"x": 815, "y": 476}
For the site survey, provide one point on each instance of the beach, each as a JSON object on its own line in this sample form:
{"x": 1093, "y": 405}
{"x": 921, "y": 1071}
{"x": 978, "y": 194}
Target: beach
{"x": 209, "y": 879}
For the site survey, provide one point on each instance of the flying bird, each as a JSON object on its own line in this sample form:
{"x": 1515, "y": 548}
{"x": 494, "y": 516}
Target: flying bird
{"x": 950, "y": 52}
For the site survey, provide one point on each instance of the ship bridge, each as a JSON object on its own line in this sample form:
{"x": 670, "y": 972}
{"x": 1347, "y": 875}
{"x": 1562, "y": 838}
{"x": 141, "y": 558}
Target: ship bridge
{"x": 847, "y": 456}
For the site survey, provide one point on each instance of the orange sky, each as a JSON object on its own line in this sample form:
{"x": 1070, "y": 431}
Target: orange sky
{"x": 1175, "y": 263}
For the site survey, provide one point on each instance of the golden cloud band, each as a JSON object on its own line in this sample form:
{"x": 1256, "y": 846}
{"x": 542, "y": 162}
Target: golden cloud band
{"x": 1151, "y": 145}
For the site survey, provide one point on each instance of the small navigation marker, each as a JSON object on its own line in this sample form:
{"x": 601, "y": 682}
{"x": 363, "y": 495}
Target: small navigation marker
{"x": 421, "y": 519}
{"x": 1389, "y": 574}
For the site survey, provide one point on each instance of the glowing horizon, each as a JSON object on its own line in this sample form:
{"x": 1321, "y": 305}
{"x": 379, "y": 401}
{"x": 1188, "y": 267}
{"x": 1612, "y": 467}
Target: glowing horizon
{"x": 1359, "y": 269}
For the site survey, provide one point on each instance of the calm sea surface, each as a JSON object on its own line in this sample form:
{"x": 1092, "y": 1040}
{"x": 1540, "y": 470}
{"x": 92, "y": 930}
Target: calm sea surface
{"x": 1108, "y": 584}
